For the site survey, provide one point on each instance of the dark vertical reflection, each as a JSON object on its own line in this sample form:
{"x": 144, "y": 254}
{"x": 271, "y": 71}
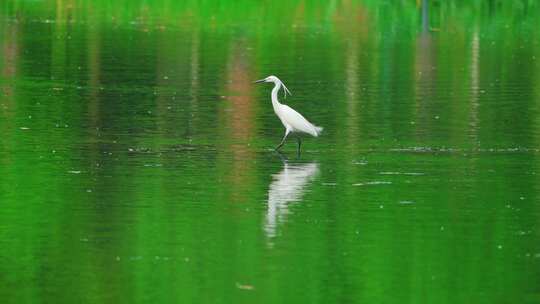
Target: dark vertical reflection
{"x": 425, "y": 87}
{"x": 352, "y": 23}
{"x": 93, "y": 43}
{"x": 425, "y": 16}
{"x": 8, "y": 65}
{"x": 15, "y": 237}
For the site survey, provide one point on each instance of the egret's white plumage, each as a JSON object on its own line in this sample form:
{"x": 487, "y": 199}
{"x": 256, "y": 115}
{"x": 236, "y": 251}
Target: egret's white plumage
{"x": 293, "y": 121}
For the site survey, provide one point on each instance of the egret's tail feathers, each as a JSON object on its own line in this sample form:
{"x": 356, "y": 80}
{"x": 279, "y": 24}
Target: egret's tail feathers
{"x": 318, "y": 130}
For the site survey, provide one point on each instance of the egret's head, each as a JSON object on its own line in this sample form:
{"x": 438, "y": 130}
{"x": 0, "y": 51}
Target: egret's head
{"x": 270, "y": 78}
{"x": 276, "y": 81}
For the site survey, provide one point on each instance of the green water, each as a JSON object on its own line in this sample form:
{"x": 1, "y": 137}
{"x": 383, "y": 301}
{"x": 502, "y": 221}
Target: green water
{"x": 136, "y": 161}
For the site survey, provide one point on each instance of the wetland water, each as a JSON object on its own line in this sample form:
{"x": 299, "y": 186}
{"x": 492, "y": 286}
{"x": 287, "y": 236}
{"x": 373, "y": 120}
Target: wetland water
{"x": 136, "y": 160}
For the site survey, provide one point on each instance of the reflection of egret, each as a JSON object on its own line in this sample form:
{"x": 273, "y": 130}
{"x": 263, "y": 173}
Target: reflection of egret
{"x": 287, "y": 186}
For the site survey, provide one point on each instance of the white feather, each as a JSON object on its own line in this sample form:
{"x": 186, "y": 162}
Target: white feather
{"x": 295, "y": 122}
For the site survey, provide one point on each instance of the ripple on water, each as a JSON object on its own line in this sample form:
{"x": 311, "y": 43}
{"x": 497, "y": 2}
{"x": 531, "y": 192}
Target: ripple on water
{"x": 401, "y": 173}
{"x": 373, "y": 183}
{"x": 460, "y": 150}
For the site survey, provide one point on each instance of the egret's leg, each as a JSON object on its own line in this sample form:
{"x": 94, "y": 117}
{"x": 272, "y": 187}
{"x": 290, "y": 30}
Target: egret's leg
{"x": 299, "y": 144}
{"x": 281, "y": 156}
{"x": 283, "y": 140}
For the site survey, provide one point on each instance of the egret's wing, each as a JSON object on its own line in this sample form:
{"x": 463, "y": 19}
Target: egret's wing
{"x": 294, "y": 119}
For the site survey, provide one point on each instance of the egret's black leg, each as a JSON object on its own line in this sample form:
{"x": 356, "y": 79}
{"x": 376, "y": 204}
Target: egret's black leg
{"x": 283, "y": 140}
{"x": 299, "y": 144}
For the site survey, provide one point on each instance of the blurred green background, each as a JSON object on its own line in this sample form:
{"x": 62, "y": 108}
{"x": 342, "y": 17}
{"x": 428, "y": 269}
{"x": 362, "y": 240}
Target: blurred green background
{"x": 137, "y": 163}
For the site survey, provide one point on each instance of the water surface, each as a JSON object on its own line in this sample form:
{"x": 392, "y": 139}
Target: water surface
{"x": 137, "y": 160}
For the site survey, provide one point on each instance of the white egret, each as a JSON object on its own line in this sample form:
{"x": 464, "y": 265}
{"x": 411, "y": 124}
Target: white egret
{"x": 293, "y": 121}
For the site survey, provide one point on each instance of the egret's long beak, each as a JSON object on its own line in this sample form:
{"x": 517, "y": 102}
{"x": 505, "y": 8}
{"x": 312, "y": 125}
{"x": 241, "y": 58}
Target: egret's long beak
{"x": 258, "y": 81}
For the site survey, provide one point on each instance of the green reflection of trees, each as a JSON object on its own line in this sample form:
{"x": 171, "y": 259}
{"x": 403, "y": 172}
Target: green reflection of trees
{"x": 152, "y": 76}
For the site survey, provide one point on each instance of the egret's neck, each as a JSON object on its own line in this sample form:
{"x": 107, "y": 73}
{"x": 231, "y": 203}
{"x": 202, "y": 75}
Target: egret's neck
{"x": 275, "y": 101}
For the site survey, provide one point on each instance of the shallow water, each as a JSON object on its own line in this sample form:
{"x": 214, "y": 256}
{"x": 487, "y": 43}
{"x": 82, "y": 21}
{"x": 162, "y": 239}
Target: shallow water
{"x": 137, "y": 157}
